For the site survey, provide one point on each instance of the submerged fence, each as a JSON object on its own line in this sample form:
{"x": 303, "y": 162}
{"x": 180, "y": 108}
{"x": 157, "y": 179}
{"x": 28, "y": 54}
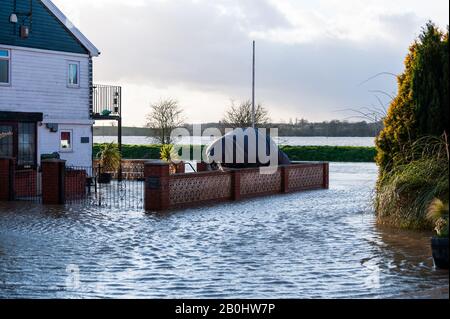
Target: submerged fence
{"x": 19, "y": 185}
{"x": 28, "y": 185}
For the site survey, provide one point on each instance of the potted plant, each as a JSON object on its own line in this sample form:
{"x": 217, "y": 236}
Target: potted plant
{"x": 109, "y": 160}
{"x": 438, "y": 215}
{"x": 169, "y": 154}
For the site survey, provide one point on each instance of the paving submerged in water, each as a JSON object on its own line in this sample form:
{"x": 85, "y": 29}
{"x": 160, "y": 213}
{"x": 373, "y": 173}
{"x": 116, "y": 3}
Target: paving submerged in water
{"x": 317, "y": 244}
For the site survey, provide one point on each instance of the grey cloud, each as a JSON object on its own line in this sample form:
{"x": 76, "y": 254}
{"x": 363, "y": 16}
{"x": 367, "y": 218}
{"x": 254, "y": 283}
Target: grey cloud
{"x": 193, "y": 43}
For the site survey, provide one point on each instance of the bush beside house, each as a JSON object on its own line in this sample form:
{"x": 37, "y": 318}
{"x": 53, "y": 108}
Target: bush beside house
{"x": 412, "y": 149}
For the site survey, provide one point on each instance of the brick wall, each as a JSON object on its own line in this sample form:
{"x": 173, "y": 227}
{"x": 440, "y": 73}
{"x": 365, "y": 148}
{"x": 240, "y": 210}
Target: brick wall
{"x": 181, "y": 190}
{"x": 304, "y": 177}
{"x": 190, "y": 189}
{"x": 253, "y": 183}
{"x": 53, "y": 182}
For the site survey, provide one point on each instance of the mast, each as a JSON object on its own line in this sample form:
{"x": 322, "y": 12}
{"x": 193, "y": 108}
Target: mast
{"x": 253, "y": 88}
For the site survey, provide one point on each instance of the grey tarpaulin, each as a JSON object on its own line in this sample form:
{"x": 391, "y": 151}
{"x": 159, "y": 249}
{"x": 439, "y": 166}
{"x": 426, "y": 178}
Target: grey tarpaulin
{"x": 240, "y": 148}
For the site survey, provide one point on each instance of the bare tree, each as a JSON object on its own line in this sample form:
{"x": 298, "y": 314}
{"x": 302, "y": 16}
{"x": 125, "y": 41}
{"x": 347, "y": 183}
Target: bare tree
{"x": 165, "y": 116}
{"x": 241, "y": 115}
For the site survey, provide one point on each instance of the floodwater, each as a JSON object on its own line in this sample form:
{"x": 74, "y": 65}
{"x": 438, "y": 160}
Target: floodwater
{"x": 292, "y": 141}
{"x": 317, "y": 244}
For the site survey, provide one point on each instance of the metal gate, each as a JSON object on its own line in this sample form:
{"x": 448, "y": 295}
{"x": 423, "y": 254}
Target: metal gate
{"x": 93, "y": 186}
{"x": 28, "y": 185}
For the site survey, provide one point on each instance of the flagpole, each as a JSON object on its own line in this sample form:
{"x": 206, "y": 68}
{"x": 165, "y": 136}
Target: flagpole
{"x": 253, "y": 89}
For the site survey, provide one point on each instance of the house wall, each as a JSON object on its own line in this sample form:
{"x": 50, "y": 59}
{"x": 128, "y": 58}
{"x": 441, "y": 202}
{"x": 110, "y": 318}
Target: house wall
{"x": 80, "y": 155}
{"x": 39, "y": 84}
{"x": 46, "y": 31}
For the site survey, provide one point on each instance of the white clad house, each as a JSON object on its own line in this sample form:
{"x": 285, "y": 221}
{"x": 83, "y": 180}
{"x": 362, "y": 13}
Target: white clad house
{"x": 48, "y": 102}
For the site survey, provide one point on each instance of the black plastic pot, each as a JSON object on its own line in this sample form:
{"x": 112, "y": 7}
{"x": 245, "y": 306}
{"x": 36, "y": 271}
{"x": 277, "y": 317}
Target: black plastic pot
{"x": 439, "y": 247}
{"x": 104, "y": 178}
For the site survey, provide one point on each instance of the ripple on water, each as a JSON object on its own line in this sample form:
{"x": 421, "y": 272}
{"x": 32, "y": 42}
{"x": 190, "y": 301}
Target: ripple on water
{"x": 317, "y": 244}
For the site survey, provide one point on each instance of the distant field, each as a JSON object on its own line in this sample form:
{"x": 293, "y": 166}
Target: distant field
{"x": 295, "y": 153}
{"x": 331, "y": 153}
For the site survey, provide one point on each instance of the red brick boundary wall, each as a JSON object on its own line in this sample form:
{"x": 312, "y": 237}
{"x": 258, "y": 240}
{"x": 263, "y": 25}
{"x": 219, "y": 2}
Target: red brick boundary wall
{"x": 164, "y": 191}
{"x": 7, "y": 178}
{"x": 53, "y": 182}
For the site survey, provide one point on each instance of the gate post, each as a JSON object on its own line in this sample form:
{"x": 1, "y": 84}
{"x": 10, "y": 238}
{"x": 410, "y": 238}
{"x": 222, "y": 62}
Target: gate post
{"x": 7, "y": 178}
{"x": 156, "y": 196}
{"x": 236, "y": 184}
{"x": 53, "y": 182}
{"x": 326, "y": 175}
{"x": 285, "y": 179}
{"x": 202, "y": 167}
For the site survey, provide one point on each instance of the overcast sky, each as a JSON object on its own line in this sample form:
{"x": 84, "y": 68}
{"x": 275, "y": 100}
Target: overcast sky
{"x": 312, "y": 56}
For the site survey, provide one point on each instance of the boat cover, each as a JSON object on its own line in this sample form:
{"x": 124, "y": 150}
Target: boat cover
{"x": 246, "y": 148}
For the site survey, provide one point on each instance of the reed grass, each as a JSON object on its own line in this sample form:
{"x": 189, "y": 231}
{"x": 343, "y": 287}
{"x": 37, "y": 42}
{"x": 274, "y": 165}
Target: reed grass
{"x": 405, "y": 193}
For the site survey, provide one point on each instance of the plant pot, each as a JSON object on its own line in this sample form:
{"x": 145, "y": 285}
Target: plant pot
{"x": 177, "y": 168}
{"x": 180, "y": 168}
{"x": 104, "y": 178}
{"x": 439, "y": 247}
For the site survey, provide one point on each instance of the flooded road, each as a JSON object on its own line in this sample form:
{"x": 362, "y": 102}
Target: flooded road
{"x": 318, "y": 244}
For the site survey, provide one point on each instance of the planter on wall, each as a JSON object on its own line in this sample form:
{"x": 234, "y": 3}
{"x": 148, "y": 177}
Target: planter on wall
{"x": 439, "y": 247}
{"x": 177, "y": 168}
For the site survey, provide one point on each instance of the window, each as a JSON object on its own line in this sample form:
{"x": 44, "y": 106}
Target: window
{"x": 5, "y": 60}
{"x": 26, "y": 144}
{"x": 73, "y": 74}
{"x": 66, "y": 141}
{"x": 6, "y": 140}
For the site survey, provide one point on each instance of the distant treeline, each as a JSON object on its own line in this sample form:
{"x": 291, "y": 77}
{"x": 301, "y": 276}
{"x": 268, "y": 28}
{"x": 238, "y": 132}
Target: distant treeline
{"x": 299, "y": 128}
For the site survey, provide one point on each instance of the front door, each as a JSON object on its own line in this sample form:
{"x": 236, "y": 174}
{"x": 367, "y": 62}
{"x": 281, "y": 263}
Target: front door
{"x": 18, "y": 140}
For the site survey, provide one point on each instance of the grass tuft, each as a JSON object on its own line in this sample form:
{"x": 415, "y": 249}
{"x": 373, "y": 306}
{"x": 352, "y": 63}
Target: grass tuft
{"x": 406, "y": 192}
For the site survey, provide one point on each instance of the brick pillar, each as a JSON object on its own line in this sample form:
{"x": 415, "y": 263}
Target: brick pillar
{"x": 326, "y": 175}
{"x": 236, "y": 185}
{"x": 202, "y": 167}
{"x": 53, "y": 182}
{"x": 7, "y": 176}
{"x": 156, "y": 185}
{"x": 285, "y": 179}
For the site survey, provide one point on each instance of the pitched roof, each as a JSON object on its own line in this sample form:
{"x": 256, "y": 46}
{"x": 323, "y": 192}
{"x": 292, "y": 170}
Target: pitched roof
{"x": 71, "y": 27}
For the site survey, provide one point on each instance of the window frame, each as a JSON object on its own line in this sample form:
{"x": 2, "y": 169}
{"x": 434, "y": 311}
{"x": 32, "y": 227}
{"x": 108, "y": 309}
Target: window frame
{"x": 70, "y": 85}
{"x": 33, "y": 142}
{"x": 8, "y": 59}
{"x": 14, "y": 136}
{"x": 66, "y": 150}
{"x": 16, "y": 151}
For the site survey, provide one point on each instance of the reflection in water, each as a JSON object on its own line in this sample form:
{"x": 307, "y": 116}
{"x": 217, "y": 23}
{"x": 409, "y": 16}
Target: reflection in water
{"x": 319, "y": 244}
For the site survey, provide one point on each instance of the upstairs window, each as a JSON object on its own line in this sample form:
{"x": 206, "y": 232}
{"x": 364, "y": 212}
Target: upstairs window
{"x": 73, "y": 74}
{"x": 5, "y": 61}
